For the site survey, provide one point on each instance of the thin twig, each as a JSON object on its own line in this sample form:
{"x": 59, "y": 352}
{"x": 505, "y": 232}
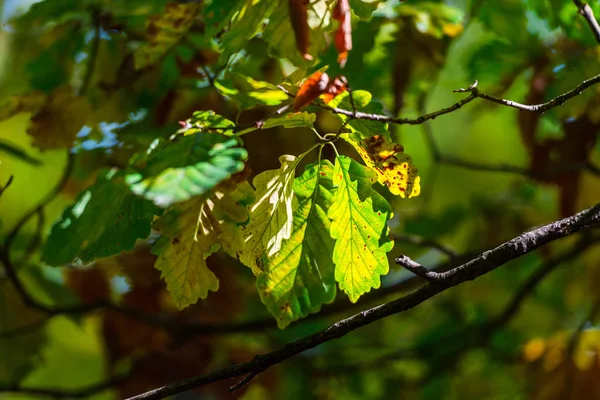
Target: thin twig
{"x": 8, "y": 183}
{"x": 586, "y": 11}
{"x": 93, "y": 54}
{"x": 243, "y": 382}
{"x": 47, "y": 199}
{"x": 481, "y": 265}
{"x": 474, "y": 93}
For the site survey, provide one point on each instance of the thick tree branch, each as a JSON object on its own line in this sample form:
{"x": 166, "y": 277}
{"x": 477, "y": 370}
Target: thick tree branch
{"x": 481, "y": 265}
{"x": 586, "y": 11}
{"x": 418, "y": 269}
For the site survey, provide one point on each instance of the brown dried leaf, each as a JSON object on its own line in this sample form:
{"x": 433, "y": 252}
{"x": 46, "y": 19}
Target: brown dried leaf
{"x": 299, "y": 20}
{"x": 343, "y": 35}
{"x": 56, "y": 124}
{"x": 314, "y": 86}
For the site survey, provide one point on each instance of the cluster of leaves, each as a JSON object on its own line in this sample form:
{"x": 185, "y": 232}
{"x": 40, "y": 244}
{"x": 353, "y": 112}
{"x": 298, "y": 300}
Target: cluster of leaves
{"x": 297, "y": 234}
{"x": 108, "y": 80}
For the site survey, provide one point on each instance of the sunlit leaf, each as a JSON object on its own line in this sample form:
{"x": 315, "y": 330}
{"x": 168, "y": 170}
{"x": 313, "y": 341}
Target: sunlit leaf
{"x": 218, "y": 14}
{"x": 249, "y": 92}
{"x": 291, "y": 120}
{"x": 247, "y": 23}
{"x": 106, "y": 220}
{"x": 271, "y": 218}
{"x": 192, "y": 231}
{"x": 190, "y": 166}
{"x": 362, "y": 102}
{"x": 299, "y": 278}
{"x": 359, "y": 218}
{"x": 394, "y": 168}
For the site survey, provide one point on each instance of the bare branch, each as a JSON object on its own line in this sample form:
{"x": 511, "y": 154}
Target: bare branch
{"x": 474, "y": 93}
{"x": 586, "y": 11}
{"x": 481, "y": 265}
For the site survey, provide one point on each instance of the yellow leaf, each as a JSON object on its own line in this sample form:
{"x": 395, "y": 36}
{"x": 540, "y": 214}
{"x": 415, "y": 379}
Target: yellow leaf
{"x": 394, "y": 168}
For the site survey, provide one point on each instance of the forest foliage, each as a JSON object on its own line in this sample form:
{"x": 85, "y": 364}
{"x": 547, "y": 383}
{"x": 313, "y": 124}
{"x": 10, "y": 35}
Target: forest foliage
{"x": 198, "y": 172}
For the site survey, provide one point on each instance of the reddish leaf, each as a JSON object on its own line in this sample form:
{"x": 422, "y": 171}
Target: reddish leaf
{"x": 313, "y": 87}
{"x": 299, "y": 20}
{"x": 338, "y": 86}
{"x": 343, "y": 36}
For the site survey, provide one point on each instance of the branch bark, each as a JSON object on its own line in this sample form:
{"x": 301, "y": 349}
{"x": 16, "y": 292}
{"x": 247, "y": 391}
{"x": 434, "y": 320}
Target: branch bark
{"x": 481, "y": 265}
{"x": 586, "y": 11}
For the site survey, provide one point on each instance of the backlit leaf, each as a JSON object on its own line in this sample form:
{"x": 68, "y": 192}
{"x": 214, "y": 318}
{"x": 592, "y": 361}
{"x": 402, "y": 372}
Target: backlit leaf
{"x": 191, "y": 166}
{"x": 271, "y": 218}
{"x": 247, "y": 23}
{"x": 106, "y": 220}
{"x": 219, "y": 13}
{"x": 395, "y": 169}
{"x": 291, "y": 120}
{"x": 359, "y": 218}
{"x": 192, "y": 231}
{"x": 299, "y": 278}
{"x": 362, "y": 102}
{"x": 249, "y": 92}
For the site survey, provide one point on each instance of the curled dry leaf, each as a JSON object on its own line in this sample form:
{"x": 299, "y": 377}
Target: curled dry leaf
{"x": 313, "y": 87}
{"x": 343, "y": 35}
{"x": 319, "y": 84}
{"x": 299, "y": 19}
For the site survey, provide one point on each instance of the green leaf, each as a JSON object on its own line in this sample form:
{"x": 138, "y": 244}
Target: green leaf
{"x": 359, "y": 224}
{"x": 280, "y": 35}
{"x": 363, "y": 9}
{"x": 106, "y": 220}
{"x": 192, "y": 231}
{"x": 362, "y": 101}
{"x": 245, "y": 25}
{"x": 207, "y": 120}
{"x": 249, "y": 92}
{"x": 271, "y": 218}
{"x": 291, "y": 120}
{"x": 219, "y": 13}
{"x": 191, "y": 166}
{"x": 299, "y": 279}
{"x": 163, "y": 32}
{"x": 50, "y": 11}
